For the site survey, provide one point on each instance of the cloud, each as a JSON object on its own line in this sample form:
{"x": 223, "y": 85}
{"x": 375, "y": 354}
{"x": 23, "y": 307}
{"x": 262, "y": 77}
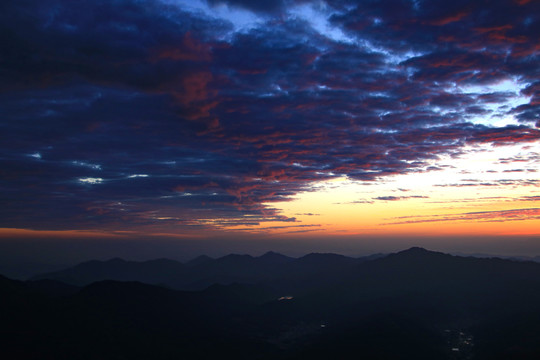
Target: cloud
{"x": 304, "y": 228}
{"x": 396, "y": 198}
{"x": 225, "y": 122}
{"x": 494, "y": 183}
{"x": 479, "y": 216}
{"x": 270, "y": 6}
{"x": 530, "y": 198}
{"x": 450, "y": 18}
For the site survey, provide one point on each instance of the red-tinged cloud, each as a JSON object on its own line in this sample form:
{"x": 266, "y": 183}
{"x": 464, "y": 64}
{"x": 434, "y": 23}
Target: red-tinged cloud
{"x": 450, "y": 19}
{"x": 190, "y": 49}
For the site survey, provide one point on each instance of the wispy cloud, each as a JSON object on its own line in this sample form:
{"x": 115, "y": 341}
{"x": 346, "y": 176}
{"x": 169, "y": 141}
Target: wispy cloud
{"x": 478, "y": 216}
{"x": 396, "y": 198}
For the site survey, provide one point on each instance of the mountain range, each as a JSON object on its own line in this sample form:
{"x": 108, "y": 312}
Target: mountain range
{"x": 415, "y": 304}
{"x": 204, "y": 271}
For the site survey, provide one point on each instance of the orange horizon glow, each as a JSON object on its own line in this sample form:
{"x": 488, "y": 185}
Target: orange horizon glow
{"x": 454, "y": 201}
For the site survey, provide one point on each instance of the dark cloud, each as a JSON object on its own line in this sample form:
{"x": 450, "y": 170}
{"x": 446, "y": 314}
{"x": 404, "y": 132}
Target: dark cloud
{"x": 121, "y": 114}
{"x": 268, "y": 6}
{"x": 495, "y": 183}
{"x": 477, "y": 216}
{"x": 396, "y": 198}
{"x": 531, "y": 157}
{"x": 357, "y": 202}
{"x": 530, "y": 198}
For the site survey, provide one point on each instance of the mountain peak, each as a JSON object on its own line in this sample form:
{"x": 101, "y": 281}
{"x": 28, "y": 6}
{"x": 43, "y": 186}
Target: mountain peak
{"x": 200, "y": 260}
{"x": 271, "y": 253}
{"x": 415, "y": 250}
{"x": 274, "y": 257}
{"x": 316, "y": 255}
{"x": 236, "y": 256}
{"x": 418, "y": 252}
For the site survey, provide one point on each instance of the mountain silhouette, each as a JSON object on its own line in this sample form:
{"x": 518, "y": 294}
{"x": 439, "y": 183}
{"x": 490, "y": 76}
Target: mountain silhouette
{"x": 414, "y": 304}
{"x": 154, "y": 271}
{"x": 200, "y": 272}
{"x": 199, "y": 260}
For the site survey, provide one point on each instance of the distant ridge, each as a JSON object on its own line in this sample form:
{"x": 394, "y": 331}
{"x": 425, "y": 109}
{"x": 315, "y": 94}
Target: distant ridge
{"x": 316, "y": 306}
{"x": 416, "y": 249}
{"x": 199, "y": 260}
{"x": 418, "y": 252}
{"x": 275, "y": 257}
{"x": 152, "y": 271}
{"x": 201, "y": 271}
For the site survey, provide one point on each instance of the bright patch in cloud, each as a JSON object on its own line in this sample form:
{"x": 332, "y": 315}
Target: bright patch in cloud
{"x": 317, "y": 14}
{"x": 91, "y": 180}
{"x": 241, "y": 20}
{"x": 88, "y": 165}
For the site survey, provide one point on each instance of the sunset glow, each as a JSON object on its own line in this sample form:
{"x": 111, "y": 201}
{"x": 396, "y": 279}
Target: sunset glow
{"x": 194, "y": 119}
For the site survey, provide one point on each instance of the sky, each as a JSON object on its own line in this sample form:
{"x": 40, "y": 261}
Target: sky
{"x": 154, "y": 127}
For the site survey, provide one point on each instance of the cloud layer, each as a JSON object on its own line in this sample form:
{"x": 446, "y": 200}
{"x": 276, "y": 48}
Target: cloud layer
{"x": 175, "y": 115}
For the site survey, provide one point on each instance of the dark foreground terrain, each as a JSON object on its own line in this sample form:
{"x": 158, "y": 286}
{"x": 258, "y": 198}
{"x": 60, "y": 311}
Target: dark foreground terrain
{"x": 414, "y": 304}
